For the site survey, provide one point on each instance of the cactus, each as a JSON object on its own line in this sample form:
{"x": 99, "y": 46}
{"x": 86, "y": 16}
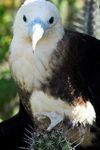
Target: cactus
{"x": 56, "y": 139}
{"x": 88, "y": 19}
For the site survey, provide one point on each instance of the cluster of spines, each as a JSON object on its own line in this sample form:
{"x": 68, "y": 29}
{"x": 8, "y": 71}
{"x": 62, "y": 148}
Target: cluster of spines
{"x": 89, "y": 19}
{"x": 56, "y": 139}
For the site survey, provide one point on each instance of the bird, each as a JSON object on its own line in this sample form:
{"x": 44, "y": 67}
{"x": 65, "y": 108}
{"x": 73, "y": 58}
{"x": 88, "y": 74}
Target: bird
{"x": 56, "y": 71}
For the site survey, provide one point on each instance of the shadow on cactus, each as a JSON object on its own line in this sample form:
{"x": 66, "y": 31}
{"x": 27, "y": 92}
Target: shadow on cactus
{"x": 59, "y": 138}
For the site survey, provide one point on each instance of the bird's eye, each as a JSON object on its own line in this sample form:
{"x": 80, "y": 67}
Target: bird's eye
{"x": 24, "y": 18}
{"x": 51, "y": 20}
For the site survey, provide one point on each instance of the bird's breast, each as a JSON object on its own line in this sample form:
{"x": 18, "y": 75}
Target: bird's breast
{"x": 30, "y": 70}
{"x": 42, "y": 102}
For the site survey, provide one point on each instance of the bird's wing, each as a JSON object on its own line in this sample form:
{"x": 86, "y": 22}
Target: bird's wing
{"x": 12, "y": 130}
{"x": 86, "y": 52}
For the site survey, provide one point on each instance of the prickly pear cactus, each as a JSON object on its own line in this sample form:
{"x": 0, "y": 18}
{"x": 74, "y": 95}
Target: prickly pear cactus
{"x": 89, "y": 19}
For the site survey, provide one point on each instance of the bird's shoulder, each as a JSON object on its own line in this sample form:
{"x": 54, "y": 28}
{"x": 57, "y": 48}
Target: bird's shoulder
{"x": 80, "y": 67}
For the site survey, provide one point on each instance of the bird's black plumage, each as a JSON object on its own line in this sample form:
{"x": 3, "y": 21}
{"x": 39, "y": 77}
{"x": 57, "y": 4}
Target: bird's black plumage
{"x": 77, "y": 81}
{"x": 13, "y": 130}
{"x": 80, "y": 68}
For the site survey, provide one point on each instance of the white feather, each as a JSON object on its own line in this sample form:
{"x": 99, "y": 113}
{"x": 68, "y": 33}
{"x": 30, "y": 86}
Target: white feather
{"x": 41, "y": 102}
{"x": 30, "y": 1}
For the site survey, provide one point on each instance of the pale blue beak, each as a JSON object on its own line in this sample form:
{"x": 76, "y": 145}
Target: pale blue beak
{"x": 37, "y": 29}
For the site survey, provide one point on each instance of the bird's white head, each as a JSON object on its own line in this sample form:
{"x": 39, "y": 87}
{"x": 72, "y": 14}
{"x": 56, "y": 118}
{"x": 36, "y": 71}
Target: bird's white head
{"x": 38, "y": 20}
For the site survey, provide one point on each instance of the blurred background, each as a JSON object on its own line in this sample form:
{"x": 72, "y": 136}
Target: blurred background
{"x": 79, "y": 15}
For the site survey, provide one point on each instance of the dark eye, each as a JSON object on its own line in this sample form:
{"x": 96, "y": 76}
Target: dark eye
{"x": 24, "y": 18}
{"x": 51, "y": 20}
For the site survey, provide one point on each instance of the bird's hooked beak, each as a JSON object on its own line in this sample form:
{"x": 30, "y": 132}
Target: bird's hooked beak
{"x": 36, "y": 29}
